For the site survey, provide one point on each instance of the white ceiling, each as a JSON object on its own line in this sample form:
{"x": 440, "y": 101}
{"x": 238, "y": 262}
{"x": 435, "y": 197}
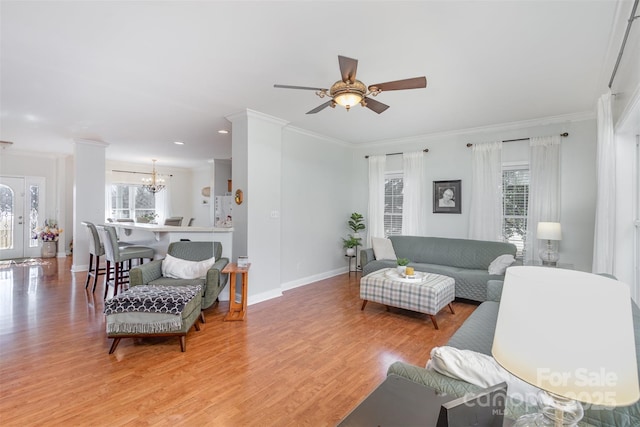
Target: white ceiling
{"x": 139, "y": 75}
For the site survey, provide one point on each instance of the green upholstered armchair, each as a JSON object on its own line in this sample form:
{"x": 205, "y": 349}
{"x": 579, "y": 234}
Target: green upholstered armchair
{"x": 151, "y": 272}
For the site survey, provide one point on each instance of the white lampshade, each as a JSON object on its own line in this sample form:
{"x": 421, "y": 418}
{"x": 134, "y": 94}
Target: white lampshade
{"x": 569, "y": 333}
{"x": 549, "y": 231}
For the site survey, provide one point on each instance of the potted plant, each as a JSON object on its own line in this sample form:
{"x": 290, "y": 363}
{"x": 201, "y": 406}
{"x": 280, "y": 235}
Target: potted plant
{"x": 402, "y": 265}
{"x": 356, "y": 223}
{"x": 350, "y": 244}
{"x": 149, "y": 217}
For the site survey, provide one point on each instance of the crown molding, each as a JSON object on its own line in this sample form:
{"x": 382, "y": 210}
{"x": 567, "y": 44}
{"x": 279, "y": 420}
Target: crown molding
{"x": 320, "y": 136}
{"x": 256, "y": 115}
{"x": 523, "y": 124}
{"x": 93, "y": 142}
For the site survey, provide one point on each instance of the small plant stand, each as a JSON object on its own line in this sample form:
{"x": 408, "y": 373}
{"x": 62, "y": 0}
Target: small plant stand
{"x": 356, "y": 268}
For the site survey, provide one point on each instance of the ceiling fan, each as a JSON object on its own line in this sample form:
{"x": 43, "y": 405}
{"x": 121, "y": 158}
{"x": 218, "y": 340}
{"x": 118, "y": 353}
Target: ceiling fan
{"x": 349, "y": 91}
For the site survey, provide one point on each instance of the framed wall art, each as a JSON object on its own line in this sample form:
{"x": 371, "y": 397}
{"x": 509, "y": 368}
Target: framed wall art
{"x": 447, "y": 197}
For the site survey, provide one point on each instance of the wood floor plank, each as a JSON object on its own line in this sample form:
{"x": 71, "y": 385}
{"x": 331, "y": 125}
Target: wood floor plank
{"x": 304, "y": 359}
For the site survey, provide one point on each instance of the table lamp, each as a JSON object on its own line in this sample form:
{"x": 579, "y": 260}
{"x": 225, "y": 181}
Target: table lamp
{"x": 549, "y": 231}
{"x": 570, "y": 334}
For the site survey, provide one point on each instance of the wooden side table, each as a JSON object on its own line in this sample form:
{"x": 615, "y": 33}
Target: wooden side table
{"x": 237, "y": 310}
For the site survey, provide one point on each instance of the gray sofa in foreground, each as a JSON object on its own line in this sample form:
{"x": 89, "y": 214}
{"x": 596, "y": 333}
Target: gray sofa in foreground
{"x": 476, "y": 334}
{"x": 467, "y": 261}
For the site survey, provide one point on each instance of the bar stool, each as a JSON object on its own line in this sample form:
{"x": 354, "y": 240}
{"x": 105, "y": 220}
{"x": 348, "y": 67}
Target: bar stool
{"x": 96, "y": 249}
{"x": 118, "y": 255}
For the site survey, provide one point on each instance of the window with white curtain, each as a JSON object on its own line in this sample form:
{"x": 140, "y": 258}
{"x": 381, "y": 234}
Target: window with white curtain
{"x": 131, "y": 201}
{"x": 393, "y": 185}
{"x": 515, "y": 203}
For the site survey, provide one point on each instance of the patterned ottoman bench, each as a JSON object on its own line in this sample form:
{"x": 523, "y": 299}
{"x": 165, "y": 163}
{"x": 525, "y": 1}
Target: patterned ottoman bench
{"x": 426, "y": 293}
{"x": 153, "y": 311}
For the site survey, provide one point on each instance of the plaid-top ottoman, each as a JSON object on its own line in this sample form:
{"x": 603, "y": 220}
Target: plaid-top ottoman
{"x": 427, "y": 293}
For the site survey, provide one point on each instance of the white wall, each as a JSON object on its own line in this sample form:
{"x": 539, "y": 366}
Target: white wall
{"x": 202, "y": 207}
{"x": 317, "y": 180}
{"x": 449, "y": 158}
{"x": 88, "y": 195}
{"x": 257, "y": 157}
{"x": 222, "y": 176}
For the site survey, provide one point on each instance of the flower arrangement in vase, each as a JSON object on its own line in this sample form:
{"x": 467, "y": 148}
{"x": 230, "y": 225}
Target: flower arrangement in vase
{"x": 49, "y": 232}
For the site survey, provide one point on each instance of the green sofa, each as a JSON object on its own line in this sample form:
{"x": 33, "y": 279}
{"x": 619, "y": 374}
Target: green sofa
{"x": 467, "y": 261}
{"x": 151, "y": 272}
{"x": 476, "y": 334}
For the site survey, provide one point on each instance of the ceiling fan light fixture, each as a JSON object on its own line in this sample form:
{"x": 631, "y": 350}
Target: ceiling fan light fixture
{"x": 348, "y": 94}
{"x": 349, "y": 91}
{"x": 348, "y": 99}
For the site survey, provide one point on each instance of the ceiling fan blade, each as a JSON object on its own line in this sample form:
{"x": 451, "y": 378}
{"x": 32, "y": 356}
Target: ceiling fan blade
{"x": 348, "y": 68}
{"x": 414, "y": 83}
{"x": 299, "y": 87}
{"x": 320, "y": 107}
{"x": 374, "y": 105}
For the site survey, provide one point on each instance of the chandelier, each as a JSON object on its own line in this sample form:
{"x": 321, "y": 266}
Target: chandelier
{"x": 153, "y": 184}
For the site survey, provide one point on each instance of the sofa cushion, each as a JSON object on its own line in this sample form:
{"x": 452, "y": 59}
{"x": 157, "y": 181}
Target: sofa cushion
{"x": 383, "y": 248}
{"x": 479, "y": 369}
{"x": 177, "y": 268}
{"x": 500, "y": 264}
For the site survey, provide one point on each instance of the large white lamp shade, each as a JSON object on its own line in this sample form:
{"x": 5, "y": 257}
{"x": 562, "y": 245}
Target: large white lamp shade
{"x": 569, "y": 333}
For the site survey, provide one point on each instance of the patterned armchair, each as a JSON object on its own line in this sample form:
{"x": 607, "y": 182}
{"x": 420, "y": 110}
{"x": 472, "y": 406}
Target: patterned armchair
{"x": 151, "y": 272}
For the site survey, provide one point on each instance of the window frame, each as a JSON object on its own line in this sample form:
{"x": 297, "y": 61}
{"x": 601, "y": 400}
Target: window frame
{"x": 134, "y": 212}
{"x": 394, "y": 229}
{"x": 520, "y": 244}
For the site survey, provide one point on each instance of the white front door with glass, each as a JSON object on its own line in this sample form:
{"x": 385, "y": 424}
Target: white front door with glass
{"x": 20, "y": 205}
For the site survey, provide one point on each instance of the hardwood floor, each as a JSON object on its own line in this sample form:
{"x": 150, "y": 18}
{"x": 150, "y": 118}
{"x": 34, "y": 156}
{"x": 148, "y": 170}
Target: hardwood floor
{"x": 305, "y": 359}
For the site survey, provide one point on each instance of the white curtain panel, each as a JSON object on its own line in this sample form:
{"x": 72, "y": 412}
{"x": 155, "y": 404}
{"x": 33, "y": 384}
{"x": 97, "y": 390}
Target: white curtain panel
{"x": 604, "y": 235}
{"x": 485, "y": 212}
{"x": 544, "y": 189}
{"x": 376, "y": 197}
{"x": 413, "y": 216}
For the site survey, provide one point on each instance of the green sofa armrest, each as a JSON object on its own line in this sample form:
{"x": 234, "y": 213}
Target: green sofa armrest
{"x": 443, "y": 384}
{"x": 145, "y": 273}
{"x": 494, "y": 290}
{"x": 432, "y": 379}
{"x": 215, "y": 276}
{"x": 366, "y": 256}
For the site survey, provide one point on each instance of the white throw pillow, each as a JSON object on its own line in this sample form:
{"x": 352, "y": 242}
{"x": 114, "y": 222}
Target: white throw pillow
{"x": 500, "y": 264}
{"x": 178, "y": 268}
{"x": 479, "y": 369}
{"x": 383, "y": 248}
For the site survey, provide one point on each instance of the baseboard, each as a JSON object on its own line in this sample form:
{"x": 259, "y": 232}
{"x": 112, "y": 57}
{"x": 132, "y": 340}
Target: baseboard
{"x": 314, "y": 278}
